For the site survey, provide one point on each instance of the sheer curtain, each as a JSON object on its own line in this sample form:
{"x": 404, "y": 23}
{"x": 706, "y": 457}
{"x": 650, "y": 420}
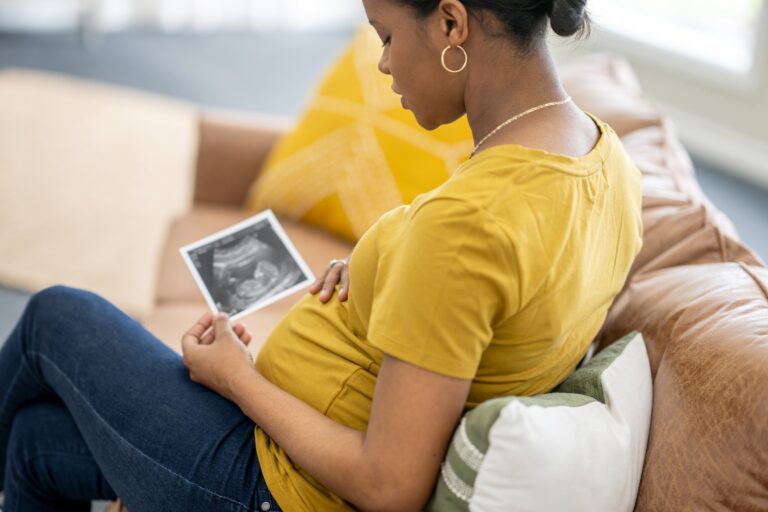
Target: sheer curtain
{"x": 214, "y": 15}
{"x": 179, "y": 15}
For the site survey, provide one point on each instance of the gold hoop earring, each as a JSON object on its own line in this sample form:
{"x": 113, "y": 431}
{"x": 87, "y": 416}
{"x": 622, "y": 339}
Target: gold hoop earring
{"x": 442, "y": 59}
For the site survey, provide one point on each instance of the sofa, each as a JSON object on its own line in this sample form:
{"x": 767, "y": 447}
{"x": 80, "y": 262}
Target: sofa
{"x": 696, "y": 292}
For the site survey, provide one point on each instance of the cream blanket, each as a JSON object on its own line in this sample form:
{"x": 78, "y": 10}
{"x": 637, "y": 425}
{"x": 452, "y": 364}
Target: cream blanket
{"x": 90, "y": 177}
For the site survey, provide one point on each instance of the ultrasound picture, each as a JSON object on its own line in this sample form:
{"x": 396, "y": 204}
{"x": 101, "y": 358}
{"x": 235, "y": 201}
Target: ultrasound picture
{"x": 243, "y": 269}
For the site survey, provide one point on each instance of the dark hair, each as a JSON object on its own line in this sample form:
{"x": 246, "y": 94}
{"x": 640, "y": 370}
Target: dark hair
{"x": 524, "y": 20}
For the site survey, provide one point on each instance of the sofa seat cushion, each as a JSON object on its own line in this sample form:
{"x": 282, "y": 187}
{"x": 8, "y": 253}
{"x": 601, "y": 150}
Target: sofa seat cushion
{"x": 706, "y": 329}
{"x": 175, "y": 282}
{"x": 579, "y": 448}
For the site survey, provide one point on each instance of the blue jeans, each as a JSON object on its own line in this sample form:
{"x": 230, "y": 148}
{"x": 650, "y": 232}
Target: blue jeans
{"x": 93, "y": 406}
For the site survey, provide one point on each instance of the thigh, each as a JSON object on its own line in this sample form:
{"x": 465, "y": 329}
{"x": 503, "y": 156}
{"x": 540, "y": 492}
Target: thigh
{"x": 162, "y": 441}
{"x": 49, "y": 465}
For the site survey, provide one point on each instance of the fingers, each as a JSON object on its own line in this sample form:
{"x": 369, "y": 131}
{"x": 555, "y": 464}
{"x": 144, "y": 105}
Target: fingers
{"x": 193, "y": 335}
{"x": 344, "y": 289}
{"x": 326, "y": 284}
{"x": 242, "y": 333}
{"x": 200, "y": 326}
{"x": 240, "y": 330}
{"x": 208, "y": 337}
{"x": 319, "y": 281}
{"x": 315, "y": 287}
{"x": 221, "y": 324}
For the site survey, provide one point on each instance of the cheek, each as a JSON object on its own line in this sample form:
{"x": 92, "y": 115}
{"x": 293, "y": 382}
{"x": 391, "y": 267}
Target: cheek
{"x": 416, "y": 80}
{"x": 431, "y": 93}
{"x": 404, "y": 70}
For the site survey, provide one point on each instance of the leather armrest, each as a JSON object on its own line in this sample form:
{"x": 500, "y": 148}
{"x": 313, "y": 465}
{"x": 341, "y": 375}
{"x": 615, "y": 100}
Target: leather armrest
{"x": 231, "y": 151}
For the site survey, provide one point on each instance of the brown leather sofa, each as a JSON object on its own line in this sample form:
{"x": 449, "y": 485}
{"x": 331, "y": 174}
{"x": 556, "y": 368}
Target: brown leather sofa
{"x": 698, "y": 294}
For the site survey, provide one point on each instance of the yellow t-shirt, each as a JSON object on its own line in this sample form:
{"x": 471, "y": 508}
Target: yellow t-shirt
{"x": 503, "y": 275}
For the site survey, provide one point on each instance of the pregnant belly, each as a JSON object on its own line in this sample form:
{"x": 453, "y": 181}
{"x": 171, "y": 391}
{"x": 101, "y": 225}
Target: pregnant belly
{"x": 313, "y": 355}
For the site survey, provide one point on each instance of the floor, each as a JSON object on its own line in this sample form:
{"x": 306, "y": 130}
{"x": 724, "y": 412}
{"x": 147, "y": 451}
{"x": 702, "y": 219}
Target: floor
{"x": 269, "y": 73}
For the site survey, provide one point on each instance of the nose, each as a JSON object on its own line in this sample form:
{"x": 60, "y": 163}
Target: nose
{"x": 384, "y": 62}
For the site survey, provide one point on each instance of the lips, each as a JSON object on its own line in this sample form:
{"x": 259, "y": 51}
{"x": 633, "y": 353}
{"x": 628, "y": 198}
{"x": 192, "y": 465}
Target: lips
{"x": 402, "y": 98}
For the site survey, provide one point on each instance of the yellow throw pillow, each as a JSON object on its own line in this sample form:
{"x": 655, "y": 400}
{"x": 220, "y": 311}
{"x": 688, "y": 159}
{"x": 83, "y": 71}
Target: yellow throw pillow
{"x": 356, "y": 153}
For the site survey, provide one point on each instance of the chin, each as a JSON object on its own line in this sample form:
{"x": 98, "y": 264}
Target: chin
{"x": 426, "y": 123}
{"x": 430, "y": 122}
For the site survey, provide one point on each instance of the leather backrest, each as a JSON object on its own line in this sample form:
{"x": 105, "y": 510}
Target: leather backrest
{"x": 699, "y": 297}
{"x": 605, "y": 85}
{"x": 706, "y": 330}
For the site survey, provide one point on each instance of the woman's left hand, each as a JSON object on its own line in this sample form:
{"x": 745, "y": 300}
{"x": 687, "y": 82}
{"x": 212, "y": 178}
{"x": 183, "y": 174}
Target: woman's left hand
{"x": 216, "y": 353}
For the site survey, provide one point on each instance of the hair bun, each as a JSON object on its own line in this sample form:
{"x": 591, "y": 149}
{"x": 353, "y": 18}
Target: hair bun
{"x": 569, "y": 17}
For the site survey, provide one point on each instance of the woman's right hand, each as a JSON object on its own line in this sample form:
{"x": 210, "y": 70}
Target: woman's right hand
{"x": 336, "y": 272}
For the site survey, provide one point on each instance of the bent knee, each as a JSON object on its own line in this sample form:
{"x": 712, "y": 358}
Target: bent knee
{"x": 61, "y": 300}
{"x": 57, "y": 294}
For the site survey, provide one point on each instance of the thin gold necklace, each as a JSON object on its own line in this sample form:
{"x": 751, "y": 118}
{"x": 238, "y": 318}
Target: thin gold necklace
{"x": 518, "y": 116}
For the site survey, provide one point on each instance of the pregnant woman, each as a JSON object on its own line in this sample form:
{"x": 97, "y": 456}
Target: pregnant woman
{"x": 493, "y": 284}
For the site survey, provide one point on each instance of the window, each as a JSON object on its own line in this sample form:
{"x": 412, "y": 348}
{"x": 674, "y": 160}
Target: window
{"x": 722, "y": 34}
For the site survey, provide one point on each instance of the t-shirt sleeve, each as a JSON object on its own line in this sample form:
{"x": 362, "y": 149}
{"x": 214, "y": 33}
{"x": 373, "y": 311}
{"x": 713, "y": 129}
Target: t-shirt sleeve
{"x": 441, "y": 288}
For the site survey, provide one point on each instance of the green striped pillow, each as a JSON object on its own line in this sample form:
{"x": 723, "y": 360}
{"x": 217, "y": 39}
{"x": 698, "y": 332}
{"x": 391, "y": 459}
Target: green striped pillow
{"x": 580, "y": 447}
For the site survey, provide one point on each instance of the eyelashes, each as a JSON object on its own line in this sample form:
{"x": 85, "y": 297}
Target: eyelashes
{"x": 386, "y": 41}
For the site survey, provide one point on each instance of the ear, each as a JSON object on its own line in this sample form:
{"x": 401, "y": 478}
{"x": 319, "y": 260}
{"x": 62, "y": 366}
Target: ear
{"x": 454, "y": 22}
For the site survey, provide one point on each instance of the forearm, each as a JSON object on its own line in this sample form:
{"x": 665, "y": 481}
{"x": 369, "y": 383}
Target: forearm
{"x": 332, "y": 453}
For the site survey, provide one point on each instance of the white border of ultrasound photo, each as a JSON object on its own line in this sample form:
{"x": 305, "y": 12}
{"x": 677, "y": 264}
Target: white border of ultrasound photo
{"x": 279, "y": 231}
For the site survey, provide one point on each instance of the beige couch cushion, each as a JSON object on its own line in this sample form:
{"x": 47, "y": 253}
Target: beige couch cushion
{"x": 90, "y": 178}
{"x": 705, "y": 328}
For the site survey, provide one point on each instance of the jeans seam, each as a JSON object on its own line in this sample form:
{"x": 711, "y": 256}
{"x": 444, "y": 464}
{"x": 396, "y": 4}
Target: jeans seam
{"x": 131, "y": 446}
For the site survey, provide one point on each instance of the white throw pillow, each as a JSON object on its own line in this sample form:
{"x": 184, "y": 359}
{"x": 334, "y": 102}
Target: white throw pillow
{"x": 579, "y": 448}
